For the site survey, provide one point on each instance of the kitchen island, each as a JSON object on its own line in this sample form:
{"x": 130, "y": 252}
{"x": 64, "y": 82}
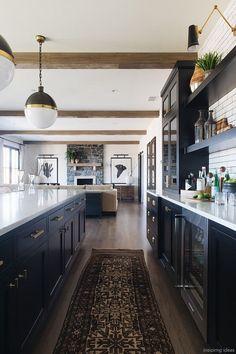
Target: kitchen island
{"x": 40, "y": 234}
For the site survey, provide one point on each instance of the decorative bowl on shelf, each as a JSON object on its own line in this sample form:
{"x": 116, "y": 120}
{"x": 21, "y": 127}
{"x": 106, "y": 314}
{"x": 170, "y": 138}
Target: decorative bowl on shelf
{"x": 197, "y": 78}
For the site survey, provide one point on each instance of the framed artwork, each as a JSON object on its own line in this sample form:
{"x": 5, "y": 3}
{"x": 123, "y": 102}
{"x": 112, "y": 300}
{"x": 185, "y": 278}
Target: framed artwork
{"x": 121, "y": 169}
{"x": 48, "y": 167}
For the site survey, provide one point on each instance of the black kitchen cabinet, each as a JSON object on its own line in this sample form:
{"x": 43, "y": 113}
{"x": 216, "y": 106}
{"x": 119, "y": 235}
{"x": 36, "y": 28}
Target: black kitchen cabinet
{"x": 55, "y": 251}
{"x": 151, "y": 164}
{"x": 222, "y": 286}
{"x": 177, "y": 129}
{"x": 152, "y": 221}
{"x": 169, "y": 238}
{"x": 33, "y": 258}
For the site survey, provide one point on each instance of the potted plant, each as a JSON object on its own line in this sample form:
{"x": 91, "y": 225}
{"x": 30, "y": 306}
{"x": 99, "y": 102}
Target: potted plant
{"x": 208, "y": 62}
{"x": 71, "y": 155}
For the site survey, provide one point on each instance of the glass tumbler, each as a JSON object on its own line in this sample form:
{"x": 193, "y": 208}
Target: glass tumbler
{"x": 221, "y": 198}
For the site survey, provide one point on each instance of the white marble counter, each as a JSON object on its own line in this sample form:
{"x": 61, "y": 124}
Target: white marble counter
{"x": 222, "y": 214}
{"x": 17, "y": 208}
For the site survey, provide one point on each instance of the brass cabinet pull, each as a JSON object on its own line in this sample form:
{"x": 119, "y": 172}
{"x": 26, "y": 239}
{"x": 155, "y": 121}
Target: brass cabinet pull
{"x": 15, "y": 284}
{"x": 148, "y": 199}
{"x": 153, "y": 202}
{"x": 153, "y": 219}
{"x": 153, "y": 239}
{"x": 24, "y": 275}
{"x": 1, "y": 262}
{"x": 167, "y": 209}
{"x": 148, "y": 213}
{"x": 70, "y": 209}
{"x": 148, "y": 231}
{"x": 58, "y": 218}
{"x": 37, "y": 233}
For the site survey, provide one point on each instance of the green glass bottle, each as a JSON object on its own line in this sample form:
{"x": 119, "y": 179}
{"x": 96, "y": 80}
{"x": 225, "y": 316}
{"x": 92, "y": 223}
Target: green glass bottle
{"x": 215, "y": 185}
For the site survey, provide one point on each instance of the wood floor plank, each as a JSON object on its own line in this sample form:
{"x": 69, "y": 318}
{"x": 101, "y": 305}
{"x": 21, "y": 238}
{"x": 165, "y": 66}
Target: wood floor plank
{"x": 126, "y": 230}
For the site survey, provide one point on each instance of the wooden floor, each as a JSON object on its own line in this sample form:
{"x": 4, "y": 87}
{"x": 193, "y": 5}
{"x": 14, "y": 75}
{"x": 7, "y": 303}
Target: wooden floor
{"x": 126, "y": 230}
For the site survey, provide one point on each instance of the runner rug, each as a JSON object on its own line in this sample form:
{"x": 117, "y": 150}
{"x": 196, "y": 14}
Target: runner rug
{"x": 113, "y": 309}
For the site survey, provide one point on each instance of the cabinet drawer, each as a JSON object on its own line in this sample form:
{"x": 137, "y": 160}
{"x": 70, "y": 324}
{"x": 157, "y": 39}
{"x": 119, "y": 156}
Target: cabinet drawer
{"x": 152, "y": 219}
{"x": 152, "y": 237}
{"x": 69, "y": 209}
{"x": 56, "y": 220}
{"x": 6, "y": 253}
{"x": 30, "y": 236}
{"x": 80, "y": 202}
{"x": 152, "y": 202}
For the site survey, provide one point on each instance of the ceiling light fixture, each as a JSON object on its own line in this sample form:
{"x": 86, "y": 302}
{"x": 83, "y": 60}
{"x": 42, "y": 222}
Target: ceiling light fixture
{"x": 7, "y": 65}
{"x": 194, "y": 31}
{"x": 40, "y": 108}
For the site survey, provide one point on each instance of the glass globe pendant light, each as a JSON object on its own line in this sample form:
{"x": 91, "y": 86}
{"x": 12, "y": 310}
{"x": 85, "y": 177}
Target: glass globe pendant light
{"x": 40, "y": 108}
{"x": 7, "y": 65}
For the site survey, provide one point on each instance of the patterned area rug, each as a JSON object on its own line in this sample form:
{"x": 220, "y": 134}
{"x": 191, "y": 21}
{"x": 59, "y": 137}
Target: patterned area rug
{"x": 113, "y": 309}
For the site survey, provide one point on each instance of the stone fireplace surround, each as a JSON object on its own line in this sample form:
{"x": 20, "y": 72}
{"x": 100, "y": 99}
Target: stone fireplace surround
{"x": 87, "y": 153}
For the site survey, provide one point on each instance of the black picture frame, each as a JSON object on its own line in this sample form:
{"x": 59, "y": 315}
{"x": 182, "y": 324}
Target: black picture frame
{"x": 121, "y": 169}
{"x": 48, "y": 167}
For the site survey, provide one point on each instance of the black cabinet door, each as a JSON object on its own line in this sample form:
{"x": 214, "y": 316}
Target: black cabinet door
{"x": 30, "y": 293}
{"x": 55, "y": 261}
{"x": 8, "y": 302}
{"x": 222, "y": 286}
{"x": 76, "y": 239}
{"x": 68, "y": 241}
{"x": 169, "y": 239}
{"x": 82, "y": 222}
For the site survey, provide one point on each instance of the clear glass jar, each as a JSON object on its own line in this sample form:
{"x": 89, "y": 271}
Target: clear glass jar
{"x": 199, "y": 126}
{"x": 210, "y": 126}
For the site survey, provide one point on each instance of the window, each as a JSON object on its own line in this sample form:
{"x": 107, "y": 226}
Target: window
{"x": 10, "y": 164}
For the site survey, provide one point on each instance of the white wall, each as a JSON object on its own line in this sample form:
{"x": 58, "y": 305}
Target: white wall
{"x": 222, "y": 40}
{"x": 32, "y": 151}
{"x": 109, "y": 150}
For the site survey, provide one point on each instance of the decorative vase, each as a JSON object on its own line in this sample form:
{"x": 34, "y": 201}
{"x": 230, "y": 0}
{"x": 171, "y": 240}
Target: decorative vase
{"x": 207, "y": 73}
{"x": 76, "y": 160}
{"x": 199, "y": 126}
{"x": 210, "y": 126}
{"x": 197, "y": 78}
{"x": 72, "y": 161}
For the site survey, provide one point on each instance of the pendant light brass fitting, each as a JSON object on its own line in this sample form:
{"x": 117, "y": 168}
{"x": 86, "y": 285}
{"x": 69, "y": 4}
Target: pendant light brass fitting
{"x": 40, "y": 39}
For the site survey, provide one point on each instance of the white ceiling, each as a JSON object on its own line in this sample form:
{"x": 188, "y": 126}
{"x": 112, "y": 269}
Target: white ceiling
{"x": 96, "y": 26}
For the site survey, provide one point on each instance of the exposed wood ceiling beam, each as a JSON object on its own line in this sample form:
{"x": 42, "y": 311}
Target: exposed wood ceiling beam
{"x": 29, "y": 60}
{"x": 91, "y": 114}
{"x": 73, "y": 132}
{"x": 107, "y": 142}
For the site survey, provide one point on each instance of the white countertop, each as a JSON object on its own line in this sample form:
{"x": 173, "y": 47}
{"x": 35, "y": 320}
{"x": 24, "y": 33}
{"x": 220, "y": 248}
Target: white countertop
{"x": 222, "y": 214}
{"x": 17, "y": 208}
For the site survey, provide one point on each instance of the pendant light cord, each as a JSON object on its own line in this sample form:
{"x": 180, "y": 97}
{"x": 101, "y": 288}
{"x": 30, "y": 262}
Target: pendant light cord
{"x": 40, "y": 64}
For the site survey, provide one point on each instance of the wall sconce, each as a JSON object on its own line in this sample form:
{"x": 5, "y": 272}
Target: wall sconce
{"x": 194, "y": 31}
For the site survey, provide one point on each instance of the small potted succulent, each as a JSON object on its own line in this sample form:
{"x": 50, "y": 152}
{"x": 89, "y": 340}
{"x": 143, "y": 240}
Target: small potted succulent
{"x": 208, "y": 62}
{"x": 71, "y": 155}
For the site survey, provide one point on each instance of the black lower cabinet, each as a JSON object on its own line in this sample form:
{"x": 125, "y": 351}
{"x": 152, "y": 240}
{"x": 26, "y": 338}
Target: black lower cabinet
{"x": 152, "y": 222}
{"x": 34, "y": 260}
{"x": 222, "y": 286}
{"x": 169, "y": 244}
{"x": 55, "y": 252}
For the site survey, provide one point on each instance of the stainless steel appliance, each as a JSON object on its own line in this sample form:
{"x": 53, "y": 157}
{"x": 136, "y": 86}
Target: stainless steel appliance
{"x": 192, "y": 268}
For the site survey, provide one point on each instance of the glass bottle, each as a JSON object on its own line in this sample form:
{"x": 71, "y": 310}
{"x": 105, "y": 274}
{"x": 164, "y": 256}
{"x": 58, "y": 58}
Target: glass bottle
{"x": 215, "y": 185}
{"x": 199, "y": 126}
{"x": 210, "y": 126}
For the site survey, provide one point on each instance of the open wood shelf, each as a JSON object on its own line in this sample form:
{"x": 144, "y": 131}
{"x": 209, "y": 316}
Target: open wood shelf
{"x": 220, "y": 82}
{"x": 228, "y": 136}
{"x": 85, "y": 164}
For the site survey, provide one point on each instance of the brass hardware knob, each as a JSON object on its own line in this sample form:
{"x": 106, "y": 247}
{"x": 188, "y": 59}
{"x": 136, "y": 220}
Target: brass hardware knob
{"x": 37, "y": 233}
{"x": 1, "y": 262}
{"x": 58, "y": 218}
{"x": 24, "y": 275}
{"x": 148, "y": 213}
{"x": 148, "y": 199}
{"x": 153, "y": 219}
{"x": 15, "y": 284}
{"x": 70, "y": 209}
{"x": 148, "y": 231}
{"x": 11, "y": 285}
{"x": 153, "y": 202}
{"x": 153, "y": 239}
